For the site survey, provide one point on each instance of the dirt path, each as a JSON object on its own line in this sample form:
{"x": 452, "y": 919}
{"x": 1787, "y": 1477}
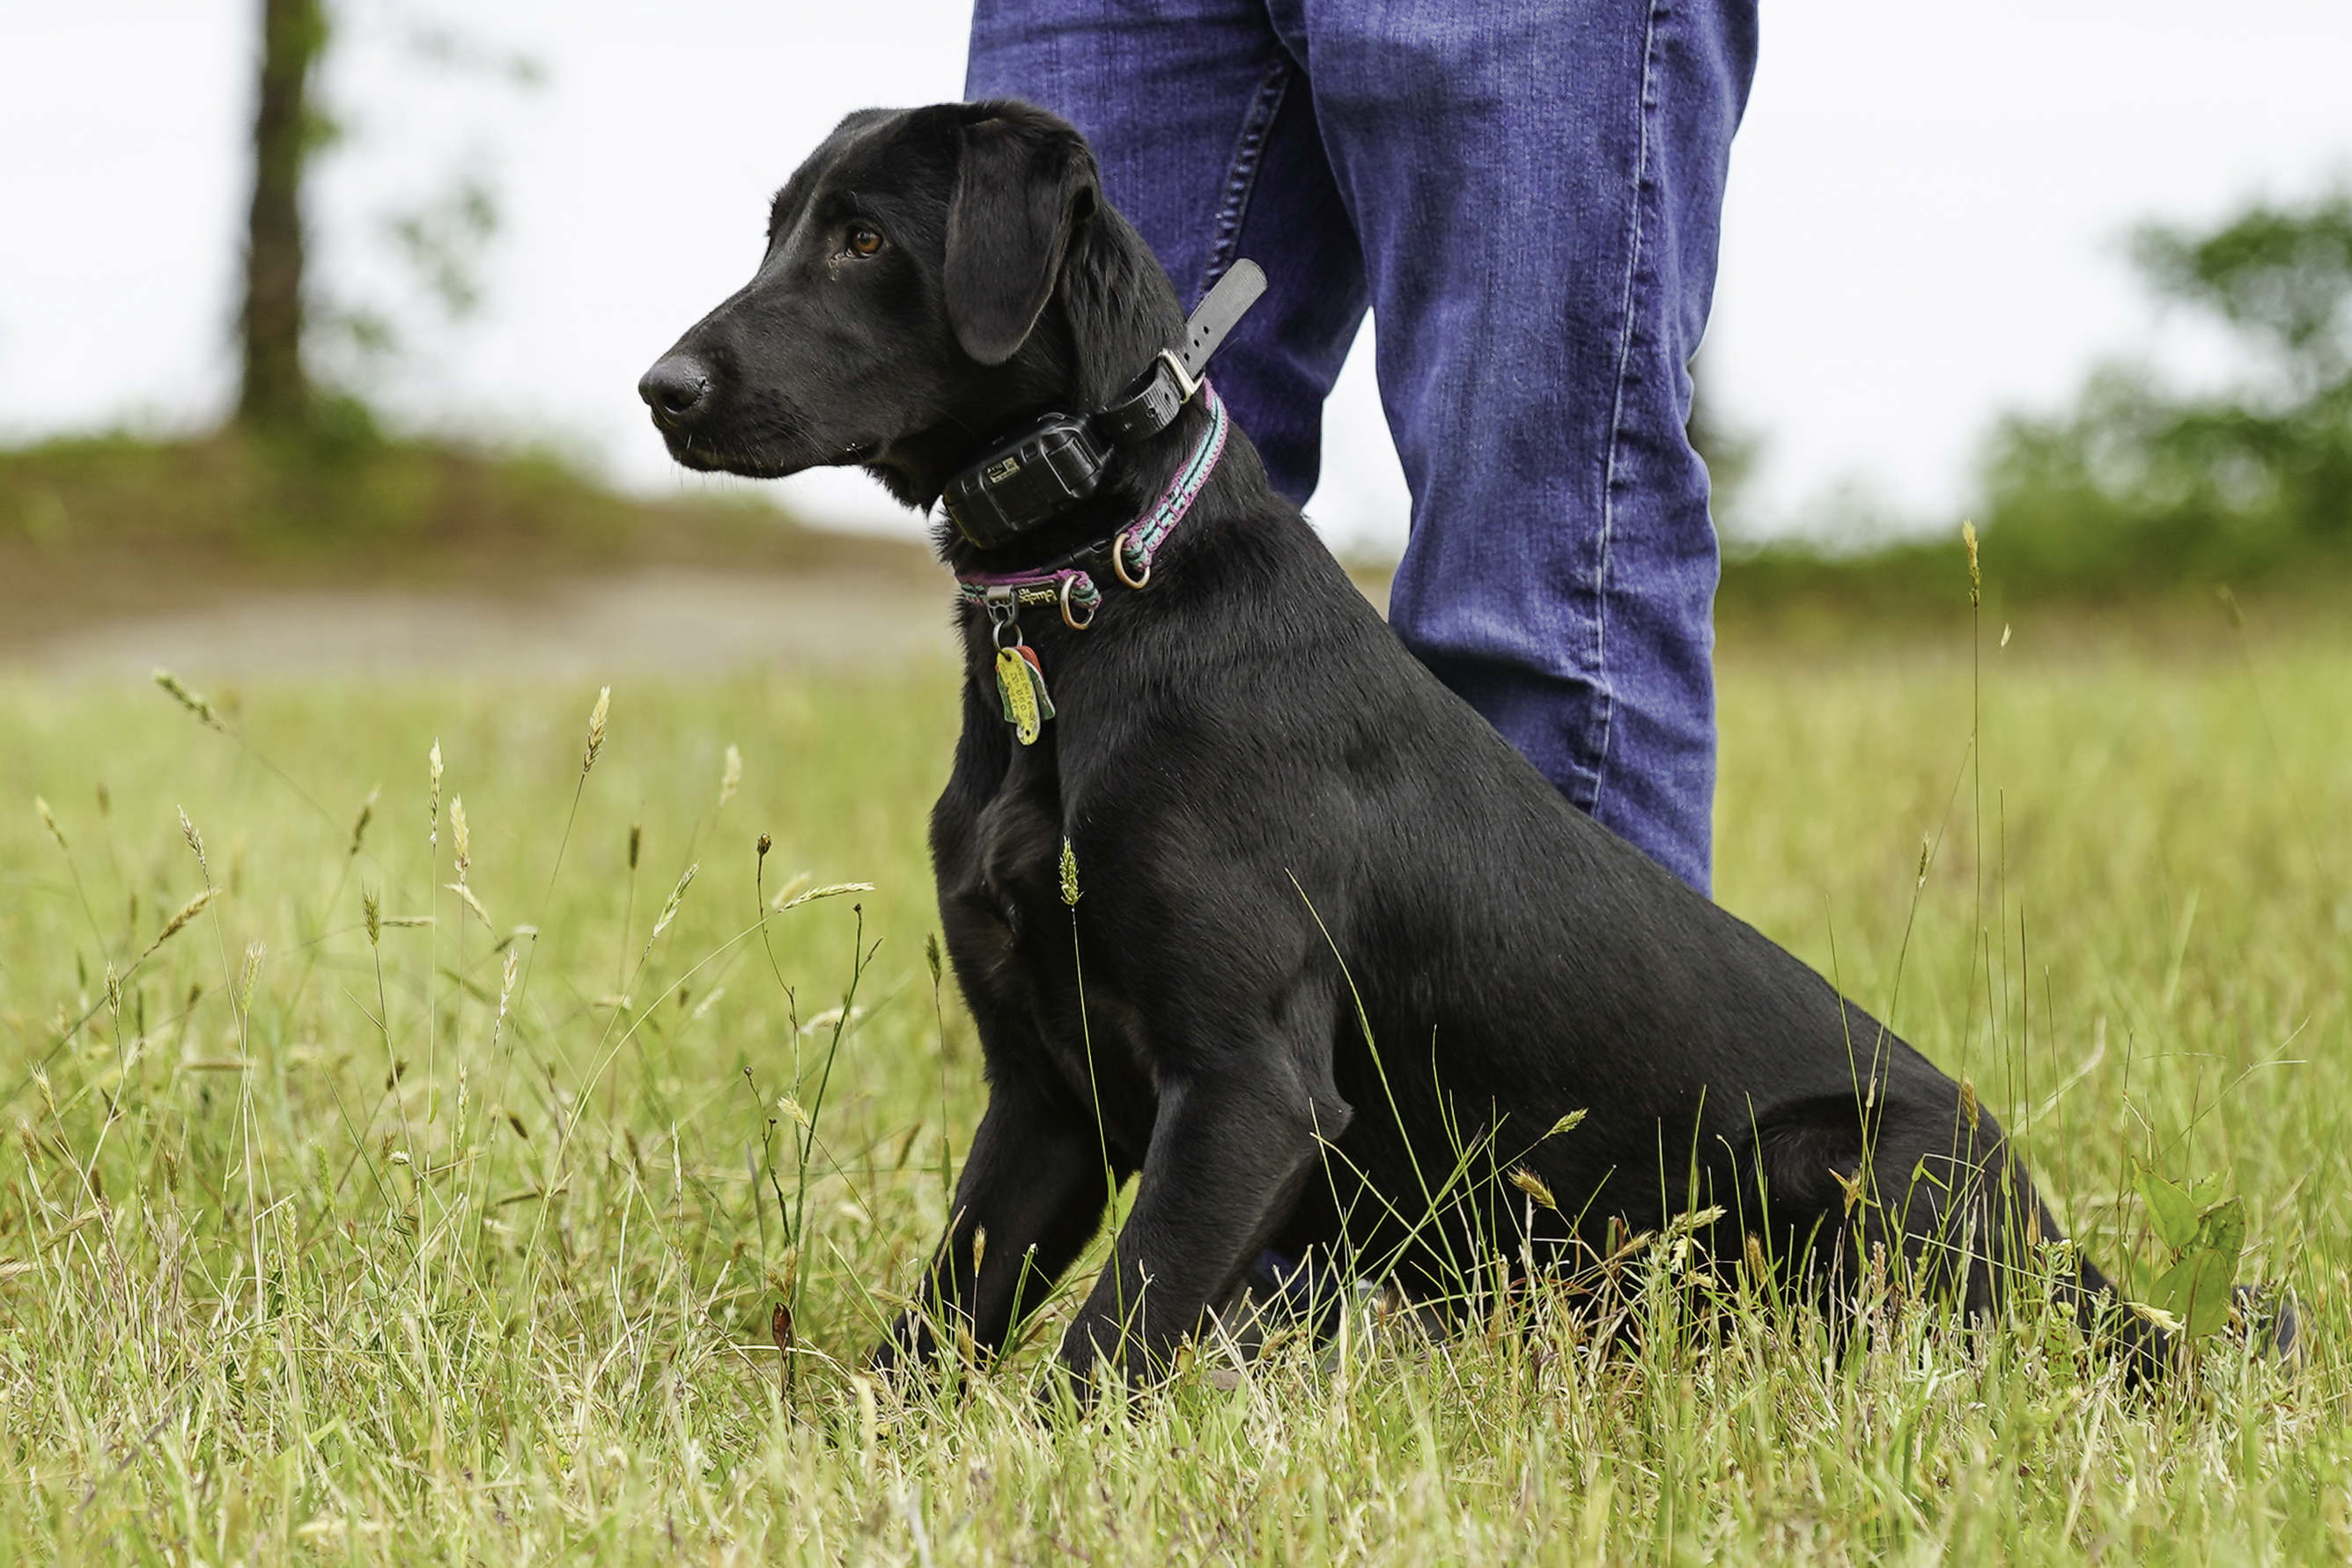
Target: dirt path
{"x": 669, "y": 621}
{"x": 677, "y": 621}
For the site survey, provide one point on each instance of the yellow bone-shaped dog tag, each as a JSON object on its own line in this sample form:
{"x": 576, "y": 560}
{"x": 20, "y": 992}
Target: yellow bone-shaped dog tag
{"x": 1021, "y": 683}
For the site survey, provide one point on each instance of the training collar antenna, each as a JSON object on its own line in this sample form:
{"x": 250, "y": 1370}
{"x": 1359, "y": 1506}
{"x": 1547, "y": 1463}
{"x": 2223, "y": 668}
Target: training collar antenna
{"x": 1058, "y": 459}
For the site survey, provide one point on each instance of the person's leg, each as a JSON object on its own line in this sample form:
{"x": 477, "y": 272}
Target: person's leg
{"x": 1206, "y": 132}
{"x": 1536, "y": 188}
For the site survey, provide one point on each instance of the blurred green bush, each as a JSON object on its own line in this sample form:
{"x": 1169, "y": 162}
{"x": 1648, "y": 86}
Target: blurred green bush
{"x": 2139, "y": 486}
{"x": 2141, "y": 493}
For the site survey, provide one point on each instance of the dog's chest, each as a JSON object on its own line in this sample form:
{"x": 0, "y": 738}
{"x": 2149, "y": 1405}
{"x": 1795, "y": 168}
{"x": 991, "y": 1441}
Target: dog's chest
{"x": 1011, "y": 895}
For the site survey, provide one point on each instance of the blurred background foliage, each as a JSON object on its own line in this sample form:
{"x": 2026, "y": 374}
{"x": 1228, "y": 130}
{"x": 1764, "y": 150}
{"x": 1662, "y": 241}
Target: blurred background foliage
{"x": 304, "y": 482}
{"x": 2141, "y": 489}
{"x": 2140, "y": 484}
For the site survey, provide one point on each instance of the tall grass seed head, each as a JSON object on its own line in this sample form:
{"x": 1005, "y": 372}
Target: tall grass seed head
{"x": 433, "y": 800}
{"x": 498, "y": 1026}
{"x": 460, "y": 840}
{"x": 670, "y": 910}
{"x": 731, "y": 775}
{"x": 1976, "y": 579}
{"x": 50, "y": 820}
{"x": 367, "y": 815}
{"x": 248, "y": 974}
{"x": 792, "y": 895}
{"x": 372, "y": 915}
{"x": 180, "y": 917}
{"x": 1069, "y": 875}
{"x": 596, "y": 729}
{"x": 636, "y": 837}
{"x": 195, "y": 841}
{"x": 187, "y": 700}
{"x": 466, "y": 897}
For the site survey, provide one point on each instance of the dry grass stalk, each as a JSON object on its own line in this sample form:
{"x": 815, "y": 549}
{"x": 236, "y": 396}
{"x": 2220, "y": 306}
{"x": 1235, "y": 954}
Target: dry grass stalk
{"x": 780, "y": 1329}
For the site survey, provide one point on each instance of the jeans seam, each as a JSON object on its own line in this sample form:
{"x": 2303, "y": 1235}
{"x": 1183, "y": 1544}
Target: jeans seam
{"x": 1604, "y": 709}
{"x": 1241, "y": 178}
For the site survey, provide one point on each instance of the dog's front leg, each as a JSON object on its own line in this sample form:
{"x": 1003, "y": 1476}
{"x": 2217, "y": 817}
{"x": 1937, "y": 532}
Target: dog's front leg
{"x": 1230, "y": 1155}
{"x": 1034, "y": 1186}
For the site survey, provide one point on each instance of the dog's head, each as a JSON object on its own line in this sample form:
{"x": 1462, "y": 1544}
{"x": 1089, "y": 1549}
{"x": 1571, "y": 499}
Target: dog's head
{"x": 901, "y": 313}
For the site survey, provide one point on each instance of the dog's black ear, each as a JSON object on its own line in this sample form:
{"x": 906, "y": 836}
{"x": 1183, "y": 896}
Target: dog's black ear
{"x": 1024, "y": 186}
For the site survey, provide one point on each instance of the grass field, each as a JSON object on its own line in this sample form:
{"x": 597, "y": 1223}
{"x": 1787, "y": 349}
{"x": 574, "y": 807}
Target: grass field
{"x": 330, "y": 1235}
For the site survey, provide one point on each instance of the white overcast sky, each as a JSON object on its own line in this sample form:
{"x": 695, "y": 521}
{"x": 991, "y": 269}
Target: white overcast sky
{"x": 1923, "y": 226}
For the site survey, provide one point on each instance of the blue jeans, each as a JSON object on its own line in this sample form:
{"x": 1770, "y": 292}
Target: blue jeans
{"x": 1529, "y": 195}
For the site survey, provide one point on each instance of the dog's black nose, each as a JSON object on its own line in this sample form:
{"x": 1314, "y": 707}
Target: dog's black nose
{"x": 675, "y": 387}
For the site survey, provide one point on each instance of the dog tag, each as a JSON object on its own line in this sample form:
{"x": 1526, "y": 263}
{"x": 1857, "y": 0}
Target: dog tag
{"x": 1021, "y": 683}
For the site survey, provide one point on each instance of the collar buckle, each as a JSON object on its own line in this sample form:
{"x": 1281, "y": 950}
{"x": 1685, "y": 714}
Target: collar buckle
{"x": 1187, "y": 383}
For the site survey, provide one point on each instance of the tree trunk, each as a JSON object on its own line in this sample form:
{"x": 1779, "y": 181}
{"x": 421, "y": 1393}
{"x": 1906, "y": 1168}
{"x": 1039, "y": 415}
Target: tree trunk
{"x": 276, "y": 394}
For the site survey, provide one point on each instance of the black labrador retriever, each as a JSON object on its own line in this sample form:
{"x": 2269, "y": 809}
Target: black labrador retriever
{"x": 1264, "y": 913}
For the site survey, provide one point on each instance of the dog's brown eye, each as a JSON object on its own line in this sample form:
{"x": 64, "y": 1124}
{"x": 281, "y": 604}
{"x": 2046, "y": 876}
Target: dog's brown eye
{"x": 864, "y": 241}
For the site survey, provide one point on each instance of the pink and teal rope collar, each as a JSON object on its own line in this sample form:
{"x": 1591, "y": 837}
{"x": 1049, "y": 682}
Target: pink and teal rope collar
{"x": 1073, "y": 588}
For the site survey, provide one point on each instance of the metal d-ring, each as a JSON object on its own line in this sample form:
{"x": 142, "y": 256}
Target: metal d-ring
{"x": 1119, "y": 563}
{"x": 1072, "y": 622}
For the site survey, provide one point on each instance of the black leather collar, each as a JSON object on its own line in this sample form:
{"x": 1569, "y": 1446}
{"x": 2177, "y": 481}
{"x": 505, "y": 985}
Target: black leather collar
{"x": 1058, "y": 459}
